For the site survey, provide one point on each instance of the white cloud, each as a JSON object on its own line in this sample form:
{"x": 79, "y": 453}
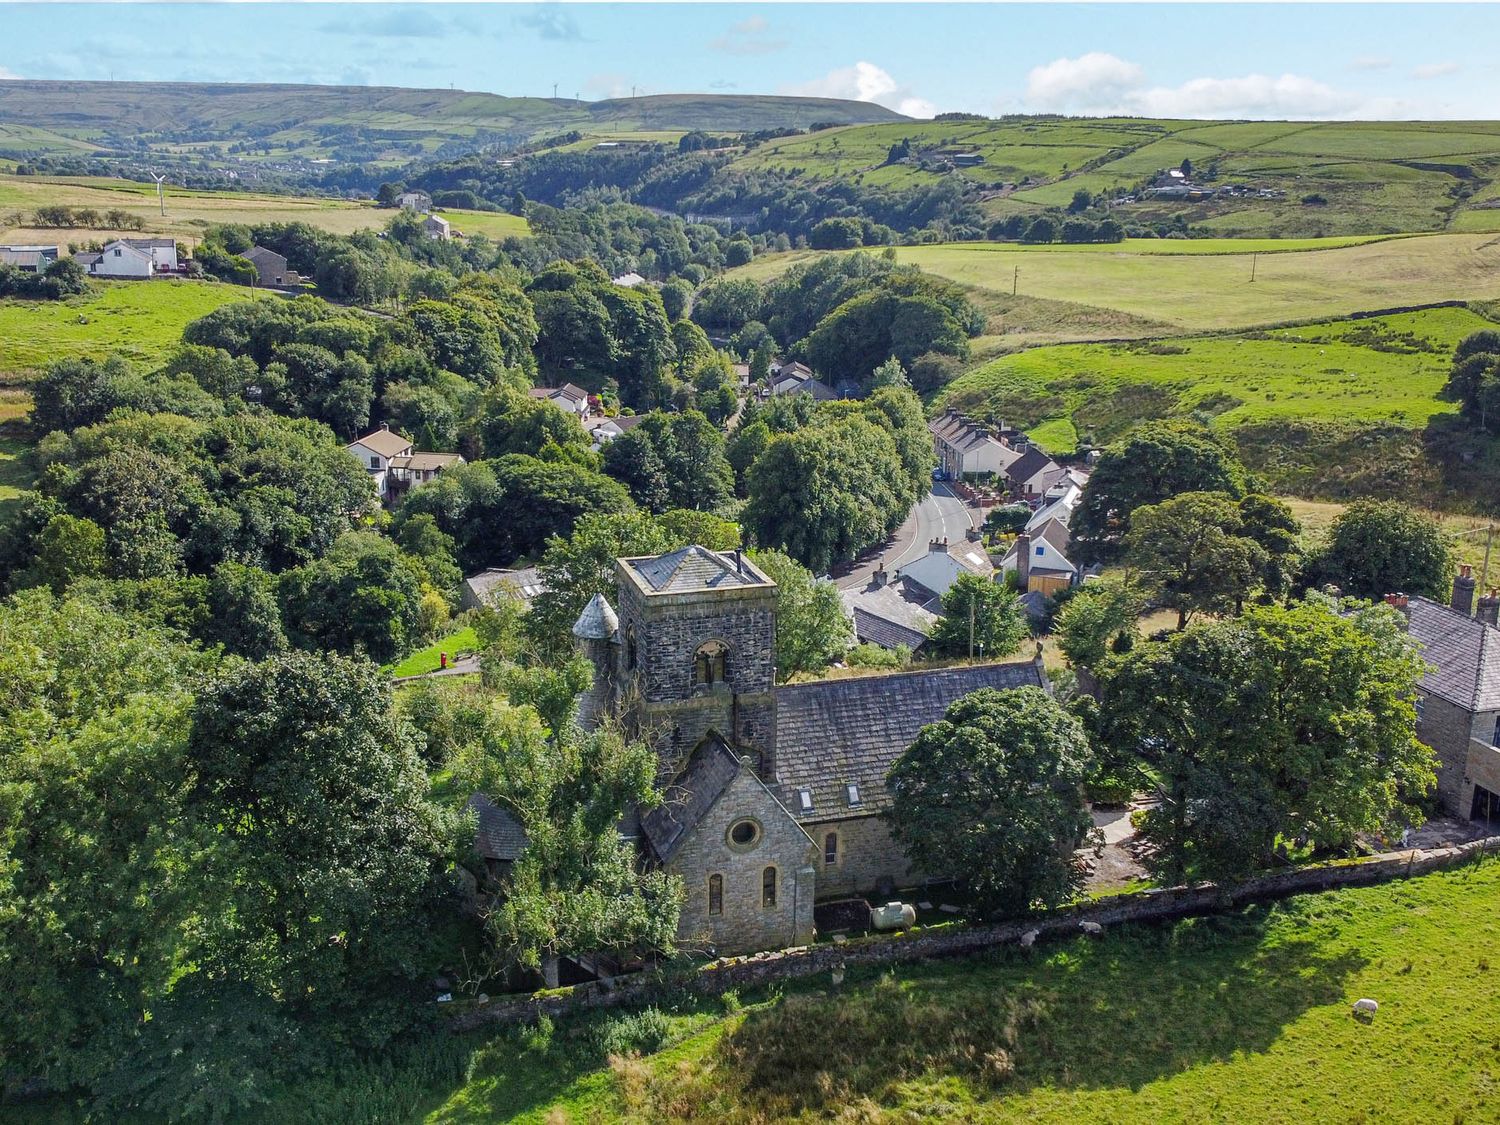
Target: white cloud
{"x": 608, "y": 85}
{"x": 865, "y": 82}
{"x": 1436, "y": 70}
{"x": 1254, "y": 95}
{"x": 749, "y": 37}
{"x": 1087, "y": 83}
{"x": 1371, "y": 62}
{"x": 8, "y": 74}
{"x": 1099, "y": 83}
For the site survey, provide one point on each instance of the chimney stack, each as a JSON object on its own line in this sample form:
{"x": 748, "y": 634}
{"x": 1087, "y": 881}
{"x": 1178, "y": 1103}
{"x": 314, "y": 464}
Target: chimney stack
{"x": 879, "y": 578}
{"x": 1463, "y": 590}
{"x": 1401, "y": 602}
{"x": 1489, "y": 608}
{"x": 940, "y": 546}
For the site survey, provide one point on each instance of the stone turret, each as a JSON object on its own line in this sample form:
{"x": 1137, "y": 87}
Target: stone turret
{"x": 598, "y": 633}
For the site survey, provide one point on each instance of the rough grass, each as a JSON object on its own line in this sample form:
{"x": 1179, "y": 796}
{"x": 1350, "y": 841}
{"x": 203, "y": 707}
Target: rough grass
{"x": 1385, "y": 369}
{"x": 1212, "y": 290}
{"x": 139, "y": 319}
{"x": 496, "y": 225}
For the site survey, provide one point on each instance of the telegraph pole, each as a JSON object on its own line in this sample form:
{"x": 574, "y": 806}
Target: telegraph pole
{"x": 1253, "y": 257}
{"x": 971, "y": 628}
{"x": 1015, "y": 281}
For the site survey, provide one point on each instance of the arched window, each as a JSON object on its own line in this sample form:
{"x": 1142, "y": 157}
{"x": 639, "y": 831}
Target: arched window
{"x": 711, "y": 663}
{"x": 831, "y": 848}
{"x": 768, "y": 887}
{"x": 716, "y": 894}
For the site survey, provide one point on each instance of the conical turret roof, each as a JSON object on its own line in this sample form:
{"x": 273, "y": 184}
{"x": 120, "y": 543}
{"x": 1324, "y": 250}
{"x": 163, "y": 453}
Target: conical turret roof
{"x": 597, "y": 622}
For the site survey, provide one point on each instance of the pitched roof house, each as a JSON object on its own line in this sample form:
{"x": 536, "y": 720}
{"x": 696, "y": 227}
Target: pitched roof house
{"x": 118, "y": 259}
{"x": 937, "y": 570}
{"x": 28, "y": 259}
{"x": 270, "y": 267}
{"x": 394, "y": 465}
{"x": 484, "y": 588}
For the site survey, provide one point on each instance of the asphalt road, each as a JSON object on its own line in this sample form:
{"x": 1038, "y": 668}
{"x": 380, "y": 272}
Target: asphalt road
{"x": 938, "y": 514}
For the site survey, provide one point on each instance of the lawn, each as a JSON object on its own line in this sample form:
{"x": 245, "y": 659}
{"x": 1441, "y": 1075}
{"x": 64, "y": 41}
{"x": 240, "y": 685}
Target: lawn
{"x": 1211, "y": 289}
{"x": 139, "y": 319}
{"x": 1242, "y": 1017}
{"x": 429, "y": 659}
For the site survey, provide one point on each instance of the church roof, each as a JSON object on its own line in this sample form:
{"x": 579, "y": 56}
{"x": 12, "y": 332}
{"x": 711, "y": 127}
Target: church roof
{"x": 834, "y": 734}
{"x": 498, "y": 835}
{"x": 597, "y": 622}
{"x": 695, "y": 568}
{"x": 688, "y": 798}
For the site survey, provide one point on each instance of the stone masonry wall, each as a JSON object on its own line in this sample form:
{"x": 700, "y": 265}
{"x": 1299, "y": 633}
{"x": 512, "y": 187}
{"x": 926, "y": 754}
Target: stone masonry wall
{"x": 866, "y": 855}
{"x": 745, "y": 923}
{"x": 959, "y": 941}
{"x": 1446, "y": 728}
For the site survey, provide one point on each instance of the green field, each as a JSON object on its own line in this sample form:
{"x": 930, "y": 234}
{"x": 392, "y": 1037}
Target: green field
{"x": 1372, "y": 177}
{"x": 1381, "y": 370}
{"x": 139, "y": 319}
{"x": 496, "y": 225}
{"x": 1210, "y": 290}
{"x": 1234, "y": 1018}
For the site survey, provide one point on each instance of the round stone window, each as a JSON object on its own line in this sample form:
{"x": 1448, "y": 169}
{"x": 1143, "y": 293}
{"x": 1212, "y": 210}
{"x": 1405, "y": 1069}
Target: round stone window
{"x": 744, "y": 834}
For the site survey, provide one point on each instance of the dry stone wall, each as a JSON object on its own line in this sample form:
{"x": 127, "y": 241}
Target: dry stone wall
{"x": 959, "y": 941}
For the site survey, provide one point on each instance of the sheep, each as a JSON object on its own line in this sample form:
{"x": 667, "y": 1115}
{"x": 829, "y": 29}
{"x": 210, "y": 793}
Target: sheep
{"x": 1028, "y": 939}
{"x": 1093, "y": 929}
{"x": 1365, "y": 1008}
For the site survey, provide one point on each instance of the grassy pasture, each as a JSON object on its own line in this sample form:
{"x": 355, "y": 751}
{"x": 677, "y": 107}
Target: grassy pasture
{"x": 1167, "y": 281}
{"x": 1237, "y": 1017}
{"x": 1386, "y": 370}
{"x": 139, "y": 319}
{"x": 496, "y": 225}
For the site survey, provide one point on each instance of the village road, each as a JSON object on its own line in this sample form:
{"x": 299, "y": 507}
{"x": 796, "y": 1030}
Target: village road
{"x": 940, "y": 514}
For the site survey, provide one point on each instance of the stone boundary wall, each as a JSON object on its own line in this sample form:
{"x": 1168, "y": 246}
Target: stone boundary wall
{"x": 959, "y": 941}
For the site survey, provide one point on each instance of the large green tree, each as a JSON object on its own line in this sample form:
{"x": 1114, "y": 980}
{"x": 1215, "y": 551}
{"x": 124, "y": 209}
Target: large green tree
{"x": 577, "y": 887}
{"x": 980, "y": 618}
{"x": 672, "y": 461}
{"x": 1288, "y": 726}
{"x": 812, "y": 629}
{"x": 1158, "y": 461}
{"x": 1379, "y": 547}
{"x": 1192, "y": 555}
{"x": 992, "y": 794}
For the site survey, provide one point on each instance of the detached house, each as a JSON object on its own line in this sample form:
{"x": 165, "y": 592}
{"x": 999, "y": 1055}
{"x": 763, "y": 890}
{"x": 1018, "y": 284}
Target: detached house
{"x": 568, "y": 397}
{"x": 270, "y": 267}
{"x": 418, "y": 201}
{"x": 118, "y": 259}
{"x": 437, "y": 228}
{"x": 937, "y": 571}
{"x": 394, "y": 466}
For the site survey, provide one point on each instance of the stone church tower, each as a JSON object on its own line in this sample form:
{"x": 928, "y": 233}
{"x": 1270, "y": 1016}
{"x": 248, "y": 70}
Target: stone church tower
{"x": 694, "y": 653}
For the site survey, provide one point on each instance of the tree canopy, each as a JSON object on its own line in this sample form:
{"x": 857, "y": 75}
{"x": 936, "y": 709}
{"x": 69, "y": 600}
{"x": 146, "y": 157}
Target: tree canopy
{"x": 1379, "y": 547}
{"x": 992, "y": 792}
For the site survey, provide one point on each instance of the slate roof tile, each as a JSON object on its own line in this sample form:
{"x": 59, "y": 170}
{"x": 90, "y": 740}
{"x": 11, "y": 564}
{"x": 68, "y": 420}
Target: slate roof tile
{"x": 1464, "y": 651}
{"x": 499, "y": 835}
{"x": 688, "y": 798}
{"x": 835, "y": 733}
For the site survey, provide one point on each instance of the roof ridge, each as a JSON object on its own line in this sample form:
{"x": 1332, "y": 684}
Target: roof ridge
{"x": 905, "y": 674}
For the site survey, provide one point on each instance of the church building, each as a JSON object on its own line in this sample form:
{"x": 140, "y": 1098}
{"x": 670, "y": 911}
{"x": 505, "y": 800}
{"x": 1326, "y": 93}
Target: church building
{"x": 772, "y": 795}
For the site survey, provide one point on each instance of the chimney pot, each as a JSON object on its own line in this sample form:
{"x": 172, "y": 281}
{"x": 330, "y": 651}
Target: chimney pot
{"x": 1489, "y": 608}
{"x": 1463, "y": 590}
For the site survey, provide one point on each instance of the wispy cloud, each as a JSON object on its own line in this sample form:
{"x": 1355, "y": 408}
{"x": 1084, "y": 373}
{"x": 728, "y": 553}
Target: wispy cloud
{"x": 1101, "y": 83}
{"x": 752, "y": 36}
{"x": 1436, "y": 70}
{"x": 723, "y": 84}
{"x": 552, "y": 21}
{"x": 608, "y": 85}
{"x": 1371, "y": 62}
{"x": 865, "y": 82}
{"x": 399, "y": 24}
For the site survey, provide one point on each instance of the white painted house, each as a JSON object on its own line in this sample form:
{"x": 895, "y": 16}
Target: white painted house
{"x": 118, "y": 259}
{"x": 437, "y": 228}
{"x": 376, "y": 451}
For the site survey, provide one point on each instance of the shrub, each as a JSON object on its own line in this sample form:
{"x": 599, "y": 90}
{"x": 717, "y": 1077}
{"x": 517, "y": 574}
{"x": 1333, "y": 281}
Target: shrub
{"x": 873, "y": 656}
{"x": 630, "y": 1033}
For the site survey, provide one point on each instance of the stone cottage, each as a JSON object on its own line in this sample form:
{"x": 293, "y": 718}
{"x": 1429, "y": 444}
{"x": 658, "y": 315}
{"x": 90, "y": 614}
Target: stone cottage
{"x": 772, "y": 795}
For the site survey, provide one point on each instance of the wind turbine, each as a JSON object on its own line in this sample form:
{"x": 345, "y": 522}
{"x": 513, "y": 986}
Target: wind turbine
{"x": 161, "y": 192}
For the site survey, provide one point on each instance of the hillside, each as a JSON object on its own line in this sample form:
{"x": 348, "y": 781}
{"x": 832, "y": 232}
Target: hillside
{"x": 380, "y": 123}
{"x": 1336, "y": 177}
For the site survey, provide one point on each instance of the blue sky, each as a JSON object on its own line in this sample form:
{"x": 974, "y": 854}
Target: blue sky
{"x": 1191, "y": 60}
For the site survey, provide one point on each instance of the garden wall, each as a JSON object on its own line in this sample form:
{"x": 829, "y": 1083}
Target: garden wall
{"x": 957, "y": 941}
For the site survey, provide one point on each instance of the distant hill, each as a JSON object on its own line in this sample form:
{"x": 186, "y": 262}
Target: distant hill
{"x": 1259, "y": 178}
{"x": 360, "y": 123}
